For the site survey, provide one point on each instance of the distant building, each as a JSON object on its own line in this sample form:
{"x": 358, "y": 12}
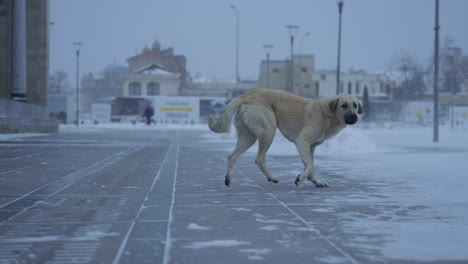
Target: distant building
{"x": 211, "y": 88}
{"x": 378, "y": 85}
{"x": 152, "y": 80}
{"x": 24, "y": 66}
{"x": 156, "y": 72}
{"x": 275, "y": 74}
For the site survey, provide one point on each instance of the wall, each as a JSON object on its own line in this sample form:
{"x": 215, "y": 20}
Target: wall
{"x": 19, "y": 117}
{"x": 5, "y": 47}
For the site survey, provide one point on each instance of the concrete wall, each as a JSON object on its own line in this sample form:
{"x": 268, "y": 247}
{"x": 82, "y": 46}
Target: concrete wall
{"x": 38, "y": 51}
{"x": 5, "y": 47}
{"x": 32, "y": 115}
{"x": 20, "y": 117}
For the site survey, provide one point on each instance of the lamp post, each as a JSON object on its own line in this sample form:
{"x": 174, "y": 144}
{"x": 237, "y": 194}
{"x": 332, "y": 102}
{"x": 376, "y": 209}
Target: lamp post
{"x": 301, "y": 92}
{"x": 340, "y": 10}
{"x": 267, "y": 49}
{"x": 77, "y": 46}
{"x": 237, "y": 46}
{"x": 436, "y": 73}
{"x": 292, "y": 32}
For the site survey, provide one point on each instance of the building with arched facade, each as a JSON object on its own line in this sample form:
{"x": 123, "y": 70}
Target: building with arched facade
{"x": 151, "y": 81}
{"x": 155, "y": 72}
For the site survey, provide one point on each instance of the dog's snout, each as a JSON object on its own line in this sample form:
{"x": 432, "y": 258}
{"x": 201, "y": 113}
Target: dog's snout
{"x": 350, "y": 118}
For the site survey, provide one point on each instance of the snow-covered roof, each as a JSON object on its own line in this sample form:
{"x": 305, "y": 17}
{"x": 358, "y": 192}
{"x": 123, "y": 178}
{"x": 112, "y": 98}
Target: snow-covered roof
{"x": 154, "y": 69}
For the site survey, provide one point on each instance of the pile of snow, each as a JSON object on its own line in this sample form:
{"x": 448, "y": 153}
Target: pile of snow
{"x": 360, "y": 139}
{"x": 20, "y": 135}
{"x": 129, "y": 126}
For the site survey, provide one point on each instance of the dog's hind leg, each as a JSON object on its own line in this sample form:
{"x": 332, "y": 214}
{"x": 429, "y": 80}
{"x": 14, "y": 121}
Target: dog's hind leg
{"x": 245, "y": 139}
{"x": 264, "y": 142}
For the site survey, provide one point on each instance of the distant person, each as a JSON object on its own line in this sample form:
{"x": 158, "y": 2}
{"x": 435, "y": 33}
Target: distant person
{"x": 148, "y": 113}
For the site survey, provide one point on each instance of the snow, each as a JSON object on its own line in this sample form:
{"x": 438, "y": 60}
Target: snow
{"x": 241, "y": 209}
{"x": 194, "y": 226}
{"x": 256, "y": 253}
{"x": 217, "y": 243}
{"x": 424, "y": 184}
{"x": 89, "y": 236}
{"x": 20, "y": 135}
{"x": 89, "y": 128}
{"x": 269, "y": 228}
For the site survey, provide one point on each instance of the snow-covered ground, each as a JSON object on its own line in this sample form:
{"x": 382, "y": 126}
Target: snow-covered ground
{"x": 406, "y": 170}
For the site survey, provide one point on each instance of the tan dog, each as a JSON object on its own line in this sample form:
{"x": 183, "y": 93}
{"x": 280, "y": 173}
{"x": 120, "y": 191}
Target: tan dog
{"x": 307, "y": 123}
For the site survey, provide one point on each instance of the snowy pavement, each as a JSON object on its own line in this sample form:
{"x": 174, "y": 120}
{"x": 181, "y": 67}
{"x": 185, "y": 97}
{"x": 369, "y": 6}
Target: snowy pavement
{"x": 120, "y": 194}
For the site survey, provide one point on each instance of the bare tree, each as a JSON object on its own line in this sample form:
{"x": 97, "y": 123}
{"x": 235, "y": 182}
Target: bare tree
{"x": 58, "y": 83}
{"x": 107, "y": 84}
{"x": 453, "y": 67}
{"x": 411, "y": 84}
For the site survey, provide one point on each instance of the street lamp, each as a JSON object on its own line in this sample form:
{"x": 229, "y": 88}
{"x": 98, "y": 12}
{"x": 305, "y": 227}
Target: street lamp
{"x": 77, "y": 46}
{"x": 267, "y": 49}
{"x": 292, "y": 32}
{"x": 340, "y": 10}
{"x": 301, "y": 92}
{"x": 237, "y": 46}
{"x": 436, "y": 73}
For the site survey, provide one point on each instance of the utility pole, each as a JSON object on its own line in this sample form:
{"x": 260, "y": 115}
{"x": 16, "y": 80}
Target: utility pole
{"x": 267, "y": 49}
{"x": 292, "y": 32}
{"x": 340, "y": 10}
{"x": 436, "y": 73}
{"x": 77, "y": 48}
{"x": 237, "y": 47}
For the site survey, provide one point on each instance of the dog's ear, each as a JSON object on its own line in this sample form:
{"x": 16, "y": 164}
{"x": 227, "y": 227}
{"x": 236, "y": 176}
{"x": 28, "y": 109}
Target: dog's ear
{"x": 333, "y": 105}
{"x": 359, "y": 109}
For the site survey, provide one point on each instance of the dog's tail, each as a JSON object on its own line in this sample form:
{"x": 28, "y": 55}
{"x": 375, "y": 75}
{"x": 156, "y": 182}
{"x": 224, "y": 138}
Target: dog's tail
{"x": 223, "y": 124}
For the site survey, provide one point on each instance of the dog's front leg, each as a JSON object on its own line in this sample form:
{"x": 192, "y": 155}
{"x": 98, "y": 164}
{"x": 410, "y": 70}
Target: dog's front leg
{"x": 311, "y": 176}
{"x": 306, "y": 154}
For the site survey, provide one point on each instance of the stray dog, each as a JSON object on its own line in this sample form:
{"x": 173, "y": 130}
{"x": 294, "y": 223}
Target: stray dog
{"x": 306, "y": 123}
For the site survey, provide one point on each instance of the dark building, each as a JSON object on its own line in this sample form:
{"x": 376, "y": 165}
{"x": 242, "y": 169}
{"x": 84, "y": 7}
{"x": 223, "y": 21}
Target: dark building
{"x": 24, "y": 66}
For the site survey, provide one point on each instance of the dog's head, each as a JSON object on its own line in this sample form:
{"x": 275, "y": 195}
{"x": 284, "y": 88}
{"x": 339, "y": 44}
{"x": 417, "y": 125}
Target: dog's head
{"x": 346, "y": 107}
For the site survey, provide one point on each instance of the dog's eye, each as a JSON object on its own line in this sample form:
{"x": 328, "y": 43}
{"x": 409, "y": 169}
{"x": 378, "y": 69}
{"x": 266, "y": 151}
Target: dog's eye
{"x": 354, "y": 105}
{"x": 344, "y": 105}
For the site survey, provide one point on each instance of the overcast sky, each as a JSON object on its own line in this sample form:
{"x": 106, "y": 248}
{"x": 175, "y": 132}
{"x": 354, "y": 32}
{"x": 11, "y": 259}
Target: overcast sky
{"x": 374, "y": 32}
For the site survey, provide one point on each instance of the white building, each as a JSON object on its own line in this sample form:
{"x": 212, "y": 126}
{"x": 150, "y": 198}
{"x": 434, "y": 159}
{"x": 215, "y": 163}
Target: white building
{"x": 218, "y": 88}
{"x": 151, "y": 80}
{"x": 378, "y": 85}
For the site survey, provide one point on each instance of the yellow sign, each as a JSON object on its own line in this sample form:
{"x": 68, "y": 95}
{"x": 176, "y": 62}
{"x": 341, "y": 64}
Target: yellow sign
{"x": 176, "y": 109}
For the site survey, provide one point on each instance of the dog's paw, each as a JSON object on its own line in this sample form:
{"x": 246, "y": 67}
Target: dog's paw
{"x": 227, "y": 181}
{"x": 297, "y": 182}
{"x": 320, "y": 184}
{"x": 274, "y": 180}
